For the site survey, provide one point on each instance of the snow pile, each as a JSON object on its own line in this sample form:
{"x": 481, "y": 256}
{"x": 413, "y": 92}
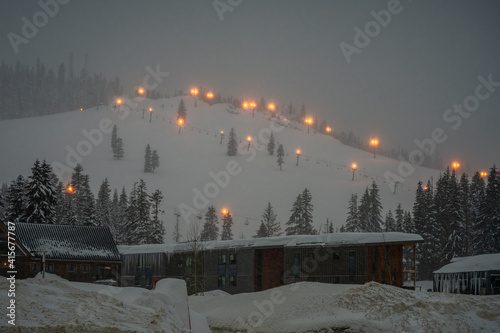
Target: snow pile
{"x": 316, "y": 307}
{"x": 57, "y": 305}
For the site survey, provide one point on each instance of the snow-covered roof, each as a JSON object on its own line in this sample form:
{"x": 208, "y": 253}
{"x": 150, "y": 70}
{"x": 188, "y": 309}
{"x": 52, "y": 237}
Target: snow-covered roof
{"x": 68, "y": 241}
{"x": 480, "y": 263}
{"x": 334, "y": 239}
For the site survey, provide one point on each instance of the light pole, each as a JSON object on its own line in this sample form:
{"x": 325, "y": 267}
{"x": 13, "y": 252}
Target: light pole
{"x": 249, "y": 139}
{"x": 374, "y": 143}
{"x": 455, "y": 165}
{"x": 194, "y": 92}
{"x": 118, "y": 102}
{"x": 180, "y": 121}
{"x": 354, "y": 166}
{"x": 298, "y": 155}
{"x": 150, "y": 114}
{"x": 309, "y": 122}
{"x": 210, "y": 95}
{"x": 221, "y": 136}
{"x": 253, "y": 105}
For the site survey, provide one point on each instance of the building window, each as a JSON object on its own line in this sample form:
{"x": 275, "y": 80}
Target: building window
{"x": 85, "y": 268}
{"x": 222, "y": 259}
{"x": 49, "y": 267}
{"x": 71, "y": 268}
{"x": 232, "y": 259}
{"x": 221, "y": 281}
{"x": 180, "y": 263}
{"x": 232, "y": 281}
{"x": 189, "y": 261}
{"x": 35, "y": 266}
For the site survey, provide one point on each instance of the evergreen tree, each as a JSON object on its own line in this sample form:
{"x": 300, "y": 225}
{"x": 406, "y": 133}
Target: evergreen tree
{"x": 307, "y": 209}
{"x": 399, "y": 219}
{"x": 181, "y": 110}
{"x": 280, "y": 154}
{"x": 232, "y": 145}
{"x": 122, "y": 215}
{"x": 489, "y": 218}
{"x": 271, "y": 145}
{"x": 466, "y": 223}
{"x": 352, "y": 223}
{"x": 210, "y": 229}
{"x": 300, "y": 222}
{"x": 408, "y": 225}
{"x": 40, "y": 195}
{"x": 155, "y": 160}
{"x": 262, "y": 231}
{"x": 375, "y": 215}
{"x": 272, "y": 227}
{"x": 114, "y": 137}
{"x": 16, "y": 200}
{"x": 119, "y": 152}
{"x": 103, "y": 205}
{"x": 86, "y": 203}
{"x": 294, "y": 222}
{"x": 156, "y": 230}
{"x": 115, "y": 215}
{"x": 227, "y": 224}
{"x": 364, "y": 212}
{"x": 477, "y": 197}
{"x": 3, "y": 201}
{"x": 147, "y": 160}
{"x": 390, "y": 222}
{"x": 138, "y": 215}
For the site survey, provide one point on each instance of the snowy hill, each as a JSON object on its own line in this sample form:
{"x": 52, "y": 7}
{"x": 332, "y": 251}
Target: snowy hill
{"x": 191, "y": 160}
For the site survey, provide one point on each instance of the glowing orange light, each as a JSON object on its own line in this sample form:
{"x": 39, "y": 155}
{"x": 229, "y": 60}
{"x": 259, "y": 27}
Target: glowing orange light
{"x": 81, "y": 109}
{"x": 70, "y": 189}
{"x": 225, "y": 211}
{"x": 249, "y": 138}
{"x": 354, "y": 166}
{"x": 483, "y": 174}
{"x": 150, "y": 109}
{"x": 374, "y": 142}
{"x": 271, "y": 106}
{"x": 252, "y": 104}
{"x": 455, "y": 165}
{"x": 119, "y": 101}
{"x": 180, "y": 121}
{"x": 140, "y": 91}
{"x": 194, "y": 91}
{"x": 221, "y": 132}
{"x": 308, "y": 121}
{"x": 245, "y": 105}
{"x": 298, "y": 151}
{"x": 210, "y": 95}
{"x": 426, "y": 188}
{"x": 328, "y": 129}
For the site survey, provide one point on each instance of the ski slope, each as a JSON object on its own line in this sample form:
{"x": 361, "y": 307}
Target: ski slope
{"x": 195, "y": 171}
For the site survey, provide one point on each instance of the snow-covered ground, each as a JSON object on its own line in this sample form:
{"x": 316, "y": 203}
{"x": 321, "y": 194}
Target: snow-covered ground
{"x": 190, "y": 160}
{"x": 315, "y": 307}
{"x": 57, "y": 305}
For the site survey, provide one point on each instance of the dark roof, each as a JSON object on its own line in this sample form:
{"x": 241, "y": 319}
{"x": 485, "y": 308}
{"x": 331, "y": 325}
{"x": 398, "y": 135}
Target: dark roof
{"x": 68, "y": 241}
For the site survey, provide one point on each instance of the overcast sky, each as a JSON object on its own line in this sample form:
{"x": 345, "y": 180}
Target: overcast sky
{"x": 398, "y": 86}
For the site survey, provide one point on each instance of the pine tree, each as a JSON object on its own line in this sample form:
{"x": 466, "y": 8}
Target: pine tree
{"x": 271, "y": 145}
{"x": 210, "y": 229}
{"x": 390, "y": 222}
{"x": 232, "y": 145}
{"x": 280, "y": 154}
{"x": 103, "y": 205}
{"x": 3, "y": 201}
{"x": 262, "y": 231}
{"x": 364, "y": 211}
{"x": 300, "y": 222}
{"x": 489, "y": 218}
{"x": 138, "y": 215}
{"x": 399, "y": 219}
{"x": 181, "y": 110}
{"x": 294, "y": 222}
{"x": 155, "y": 160}
{"x": 118, "y": 152}
{"x": 114, "y": 137}
{"x": 375, "y": 215}
{"x": 272, "y": 227}
{"x": 466, "y": 223}
{"x": 16, "y": 200}
{"x": 352, "y": 223}
{"x": 86, "y": 203}
{"x": 122, "y": 215}
{"x": 477, "y": 197}
{"x": 227, "y": 224}
{"x": 156, "y": 230}
{"x": 115, "y": 215}
{"x": 307, "y": 210}
{"x": 40, "y": 194}
{"x": 147, "y": 160}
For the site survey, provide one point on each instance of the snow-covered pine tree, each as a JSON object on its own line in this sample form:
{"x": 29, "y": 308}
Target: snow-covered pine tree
{"x": 352, "y": 223}
{"x": 210, "y": 229}
{"x": 16, "y": 200}
{"x": 122, "y": 215}
{"x": 455, "y": 242}
{"x": 477, "y": 197}
{"x": 232, "y": 144}
{"x": 280, "y": 153}
{"x": 306, "y": 215}
{"x": 114, "y": 136}
{"x": 40, "y": 195}
{"x": 227, "y": 224}
{"x": 273, "y": 227}
{"x": 181, "y": 110}
{"x": 138, "y": 212}
{"x": 156, "y": 231}
{"x": 155, "y": 160}
{"x": 147, "y": 160}
{"x": 114, "y": 215}
{"x": 489, "y": 219}
{"x": 390, "y": 222}
{"x": 399, "y": 218}
{"x": 86, "y": 203}
{"x": 118, "y": 152}
{"x": 466, "y": 220}
{"x": 261, "y": 232}
{"x": 295, "y": 221}
{"x": 375, "y": 215}
{"x": 103, "y": 205}
{"x": 364, "y": 211}
{"x": 271, "y": 144}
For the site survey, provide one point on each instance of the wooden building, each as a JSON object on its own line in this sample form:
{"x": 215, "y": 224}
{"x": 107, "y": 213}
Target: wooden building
{"x": 75, "y": 253}
{"x": 476, "y": 275}
{"x": 249, "y": 265}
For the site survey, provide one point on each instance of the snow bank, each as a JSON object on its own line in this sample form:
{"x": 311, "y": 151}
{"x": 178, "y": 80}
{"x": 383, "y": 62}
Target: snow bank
{"x": 316, "y": 307}
{"x": 57, "y": 305}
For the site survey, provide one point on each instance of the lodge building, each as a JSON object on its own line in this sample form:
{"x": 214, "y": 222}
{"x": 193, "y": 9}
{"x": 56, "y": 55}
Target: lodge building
{"x": 249, "y": 265}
